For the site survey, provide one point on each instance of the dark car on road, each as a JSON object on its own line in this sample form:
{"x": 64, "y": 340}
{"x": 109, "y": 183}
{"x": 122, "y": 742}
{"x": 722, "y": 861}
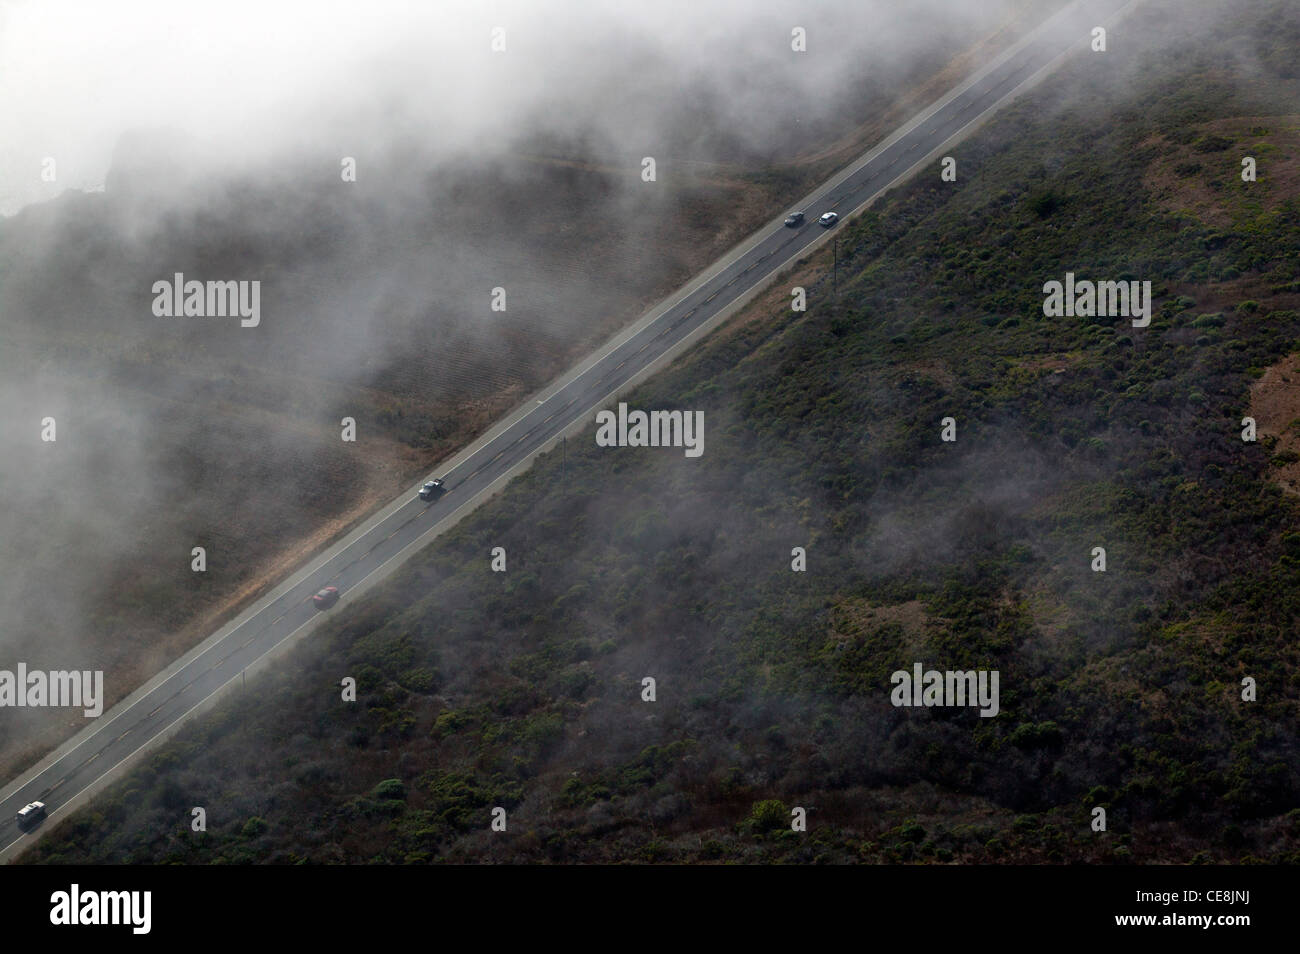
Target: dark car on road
{"x": 793, "y": 219}
{"x": 432, "y": 489}
{"x": 30, "y": 814}
{"x": 326, "y": 597}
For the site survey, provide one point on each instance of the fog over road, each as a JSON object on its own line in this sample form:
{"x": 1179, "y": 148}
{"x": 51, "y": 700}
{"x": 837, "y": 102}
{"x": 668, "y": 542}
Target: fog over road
{"x": 379, "y": 546}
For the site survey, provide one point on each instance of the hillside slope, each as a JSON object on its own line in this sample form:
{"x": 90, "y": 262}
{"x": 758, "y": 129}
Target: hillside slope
{"x": 1119, "y": 689}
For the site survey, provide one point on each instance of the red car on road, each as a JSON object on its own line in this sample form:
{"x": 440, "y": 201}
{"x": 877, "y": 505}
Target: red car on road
{"x": 326, "y": 597}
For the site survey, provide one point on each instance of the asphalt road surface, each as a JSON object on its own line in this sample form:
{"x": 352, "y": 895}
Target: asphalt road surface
{"x": 124, "y": 731}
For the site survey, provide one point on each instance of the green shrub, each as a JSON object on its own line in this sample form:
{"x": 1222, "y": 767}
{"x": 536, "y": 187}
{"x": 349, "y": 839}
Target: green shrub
{"x": 390, "y": 788}
{"x": 254, "y": 827}
{"x": 768, "y": 815}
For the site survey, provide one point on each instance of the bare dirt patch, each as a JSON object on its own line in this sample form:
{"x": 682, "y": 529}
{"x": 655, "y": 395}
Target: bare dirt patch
{"x": 1275, "y": 405}
{"x": 857, "y": 619}
{"x": 936, "y": 370}
{"x": 1202, "y": 175}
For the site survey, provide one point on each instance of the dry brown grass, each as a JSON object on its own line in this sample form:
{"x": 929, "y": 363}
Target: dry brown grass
{"x": 1275, "y": 405}
{"x": 1277, "y": 154}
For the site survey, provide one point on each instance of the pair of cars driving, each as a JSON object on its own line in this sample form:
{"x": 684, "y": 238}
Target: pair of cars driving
{"x": 795, "y": 219}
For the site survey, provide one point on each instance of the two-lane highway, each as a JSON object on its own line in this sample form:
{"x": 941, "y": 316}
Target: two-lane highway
{"x": 387, "y": 539}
